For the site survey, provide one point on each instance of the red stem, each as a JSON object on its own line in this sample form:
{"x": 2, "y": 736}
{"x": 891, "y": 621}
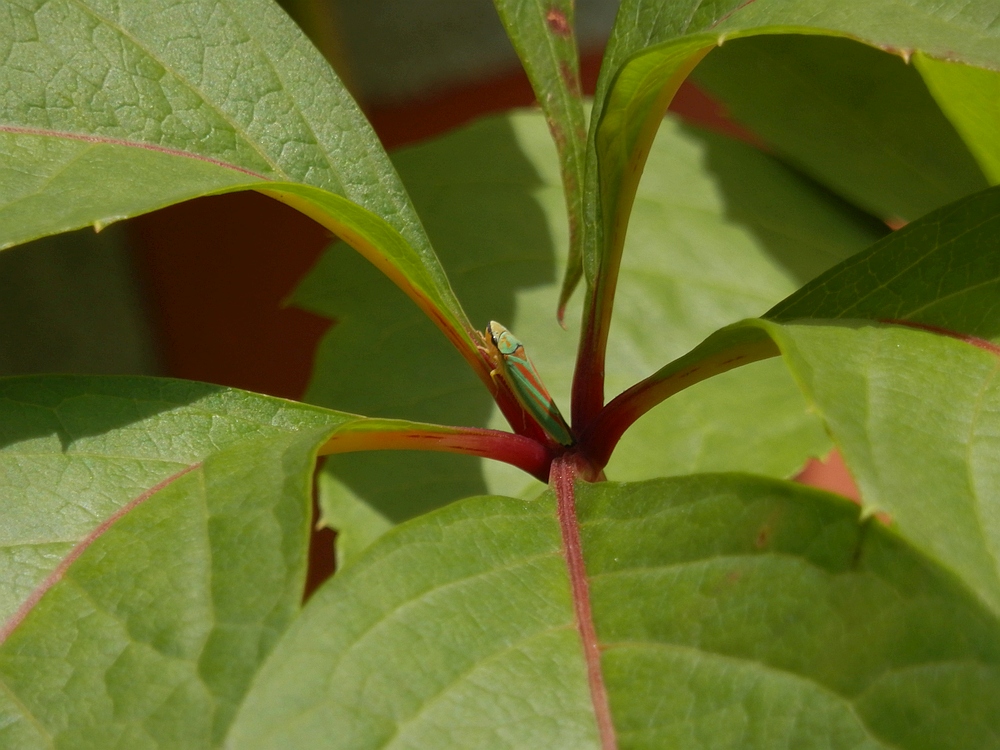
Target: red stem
{"x": 588, "y": 377}
{"x": 613, "y": 211}
{"x": 520, "y": 451}
{"x": 562, "y": 478}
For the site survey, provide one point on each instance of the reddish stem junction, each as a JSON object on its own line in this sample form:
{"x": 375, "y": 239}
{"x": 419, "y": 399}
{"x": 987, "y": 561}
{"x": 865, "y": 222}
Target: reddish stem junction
{"x": 564, "y": 473}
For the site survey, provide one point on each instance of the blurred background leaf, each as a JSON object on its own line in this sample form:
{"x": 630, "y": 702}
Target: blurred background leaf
{"x": 856, "y": 119}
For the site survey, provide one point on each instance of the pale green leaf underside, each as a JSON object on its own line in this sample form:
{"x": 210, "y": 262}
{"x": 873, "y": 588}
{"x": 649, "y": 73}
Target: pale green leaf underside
{"x": 733, "y": 612}
{"x": 969, "y": 97}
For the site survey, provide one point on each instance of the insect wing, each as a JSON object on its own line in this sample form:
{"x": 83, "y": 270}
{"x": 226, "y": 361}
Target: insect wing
{"x": 527, "y": 386}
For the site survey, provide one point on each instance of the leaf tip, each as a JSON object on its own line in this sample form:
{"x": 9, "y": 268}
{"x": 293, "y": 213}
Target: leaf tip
{"x": 572, "y": 278}
{"x": 100, "y": 224}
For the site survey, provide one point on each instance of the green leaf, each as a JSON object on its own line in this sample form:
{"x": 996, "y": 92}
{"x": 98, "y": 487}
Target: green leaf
{"x": 172, "y": 609}
{"x": 653, "y": 46}
{"x": 732, "y": 612}
{"x": 242, "y": 89}
{"x": 941, "y": 270}
{"x": 720, "y": 232}
{"x": 916, "y": 417}
{"x": 154, "y": 545}
{"x": 115, "y": 111}
{"x": 545, "y": 39}
{"x": 766, "y": 616}
{"x": 53, "y": 183}
{"x": 485, "y": 576}
{"x": 911, "y": 411}
{"x": 185, "y": 508}
{"x": 856, "y": 119}
{"x": 969, "y": 98}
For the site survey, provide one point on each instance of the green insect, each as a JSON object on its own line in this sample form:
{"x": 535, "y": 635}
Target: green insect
{"x": 518, "y": 372}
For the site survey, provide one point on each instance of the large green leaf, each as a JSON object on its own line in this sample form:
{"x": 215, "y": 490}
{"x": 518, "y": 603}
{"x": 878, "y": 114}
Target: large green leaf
{"x": 913, "y": 412}
{"x": 654, "y": 39}
{"x": 732, "y": 612}
{"x": 856, "y": 119}
{"x": 545, "y": 39}
{"x": 504, "y": 611}
{"x": 113, "y": 110}
{"x": 768, "y": 617}
{"x": 151, "y": 637}
{"x": 193, "y": 501}
{"x": 153, "y": 545}
{"x": 720, "y": 232}
{"x": 916, "y": 416}
{"x": 239, "y": 88}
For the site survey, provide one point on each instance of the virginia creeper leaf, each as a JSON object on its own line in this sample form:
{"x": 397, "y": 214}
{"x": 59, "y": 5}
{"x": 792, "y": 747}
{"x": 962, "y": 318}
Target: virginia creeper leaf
{"x": 654, "y": 39}
{"x": 115, "y": 110}
{"x": 545, "y": 39}
{"x": 733, "y": 612}
{"x": 152, "y": 635}
{"x": 941, "y": 270}
{"x": 76, "y": 450}
{"x": 916, "y": 417}
{"x": 911, "y": 410}
{"x": 153, "y": 546}
{"x": 200, "y": 575}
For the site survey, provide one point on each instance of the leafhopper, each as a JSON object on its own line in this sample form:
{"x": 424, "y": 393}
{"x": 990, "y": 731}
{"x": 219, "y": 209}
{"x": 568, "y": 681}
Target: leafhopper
{"x": 513, "y": 365}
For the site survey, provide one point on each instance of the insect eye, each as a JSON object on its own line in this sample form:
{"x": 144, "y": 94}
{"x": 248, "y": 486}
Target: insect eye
{"x": 495, "y": 331}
